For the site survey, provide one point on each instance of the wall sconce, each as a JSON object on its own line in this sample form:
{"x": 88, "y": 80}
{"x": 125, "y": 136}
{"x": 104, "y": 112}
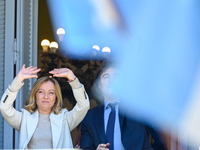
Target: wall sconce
{"x": 46, "y": 44}
{"x": 100, "y": 54}
{"x": 49, "y": 57}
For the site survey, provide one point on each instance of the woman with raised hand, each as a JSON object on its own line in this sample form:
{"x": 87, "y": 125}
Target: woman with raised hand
{"x": 43, "y": 123}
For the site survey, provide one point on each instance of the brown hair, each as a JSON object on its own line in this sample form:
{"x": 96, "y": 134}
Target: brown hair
{"x": 106, "y": 63}
{"x": 31, "y": 105}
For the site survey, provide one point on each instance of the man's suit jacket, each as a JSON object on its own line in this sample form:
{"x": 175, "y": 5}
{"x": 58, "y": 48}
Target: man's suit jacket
{"x": 133, "y": 134}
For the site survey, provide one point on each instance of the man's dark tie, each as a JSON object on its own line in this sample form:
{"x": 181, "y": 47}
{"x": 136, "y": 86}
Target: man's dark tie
{"x": 110, "y": 126}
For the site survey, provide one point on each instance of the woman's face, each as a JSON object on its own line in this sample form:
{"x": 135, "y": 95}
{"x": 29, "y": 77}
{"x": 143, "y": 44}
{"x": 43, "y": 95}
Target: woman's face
{"x": 46, "y": 97}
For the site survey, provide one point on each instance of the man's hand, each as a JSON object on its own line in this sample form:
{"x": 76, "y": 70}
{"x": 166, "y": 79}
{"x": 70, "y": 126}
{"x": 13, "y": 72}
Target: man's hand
{"x": 27, "y": 73}
{"x": 103, "y": 146}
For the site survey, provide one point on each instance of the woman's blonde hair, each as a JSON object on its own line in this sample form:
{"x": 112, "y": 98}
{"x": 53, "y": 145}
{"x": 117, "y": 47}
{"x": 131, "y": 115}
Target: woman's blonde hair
{"x": 31, "y": 105}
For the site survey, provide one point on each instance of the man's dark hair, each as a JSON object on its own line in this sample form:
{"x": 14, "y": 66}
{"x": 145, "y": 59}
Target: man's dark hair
{"x": 106, "y": 63}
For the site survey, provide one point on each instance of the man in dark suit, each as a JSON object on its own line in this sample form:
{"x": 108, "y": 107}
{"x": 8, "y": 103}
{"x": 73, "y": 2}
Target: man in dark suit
{"x": 125, "y": 134}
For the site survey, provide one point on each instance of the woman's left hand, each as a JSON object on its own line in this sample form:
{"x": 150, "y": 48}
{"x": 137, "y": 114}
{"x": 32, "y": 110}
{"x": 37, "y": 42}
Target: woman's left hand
{"x": 63, "y": 72}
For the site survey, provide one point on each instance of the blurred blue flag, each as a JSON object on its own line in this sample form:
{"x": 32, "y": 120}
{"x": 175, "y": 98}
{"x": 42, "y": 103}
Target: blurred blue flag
{"x": 156, "y": 45}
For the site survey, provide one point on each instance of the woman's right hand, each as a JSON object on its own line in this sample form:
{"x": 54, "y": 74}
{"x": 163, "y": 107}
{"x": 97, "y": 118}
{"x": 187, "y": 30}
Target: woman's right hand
{"x": 27, "y": 73}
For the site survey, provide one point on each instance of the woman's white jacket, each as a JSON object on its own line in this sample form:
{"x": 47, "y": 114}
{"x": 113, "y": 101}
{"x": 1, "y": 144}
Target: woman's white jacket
{"x": 26, "y": 122}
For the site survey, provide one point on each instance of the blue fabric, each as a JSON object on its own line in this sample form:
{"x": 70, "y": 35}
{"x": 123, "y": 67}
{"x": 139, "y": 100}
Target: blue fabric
{"x": 157, "y": 47}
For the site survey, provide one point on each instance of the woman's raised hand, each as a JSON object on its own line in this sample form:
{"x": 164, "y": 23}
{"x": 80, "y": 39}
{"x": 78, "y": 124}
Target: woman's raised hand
{"x": 27, "y": 73}
{"x": 63, "y": 72}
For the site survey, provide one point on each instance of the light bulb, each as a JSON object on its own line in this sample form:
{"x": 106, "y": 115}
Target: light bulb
{"x": 60, "y": 32}
{"x": 53, "y": 46}
{"x": 106, "y": 49}
{"x": 45, "y": 44}
{"x": 96, "y": 47}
